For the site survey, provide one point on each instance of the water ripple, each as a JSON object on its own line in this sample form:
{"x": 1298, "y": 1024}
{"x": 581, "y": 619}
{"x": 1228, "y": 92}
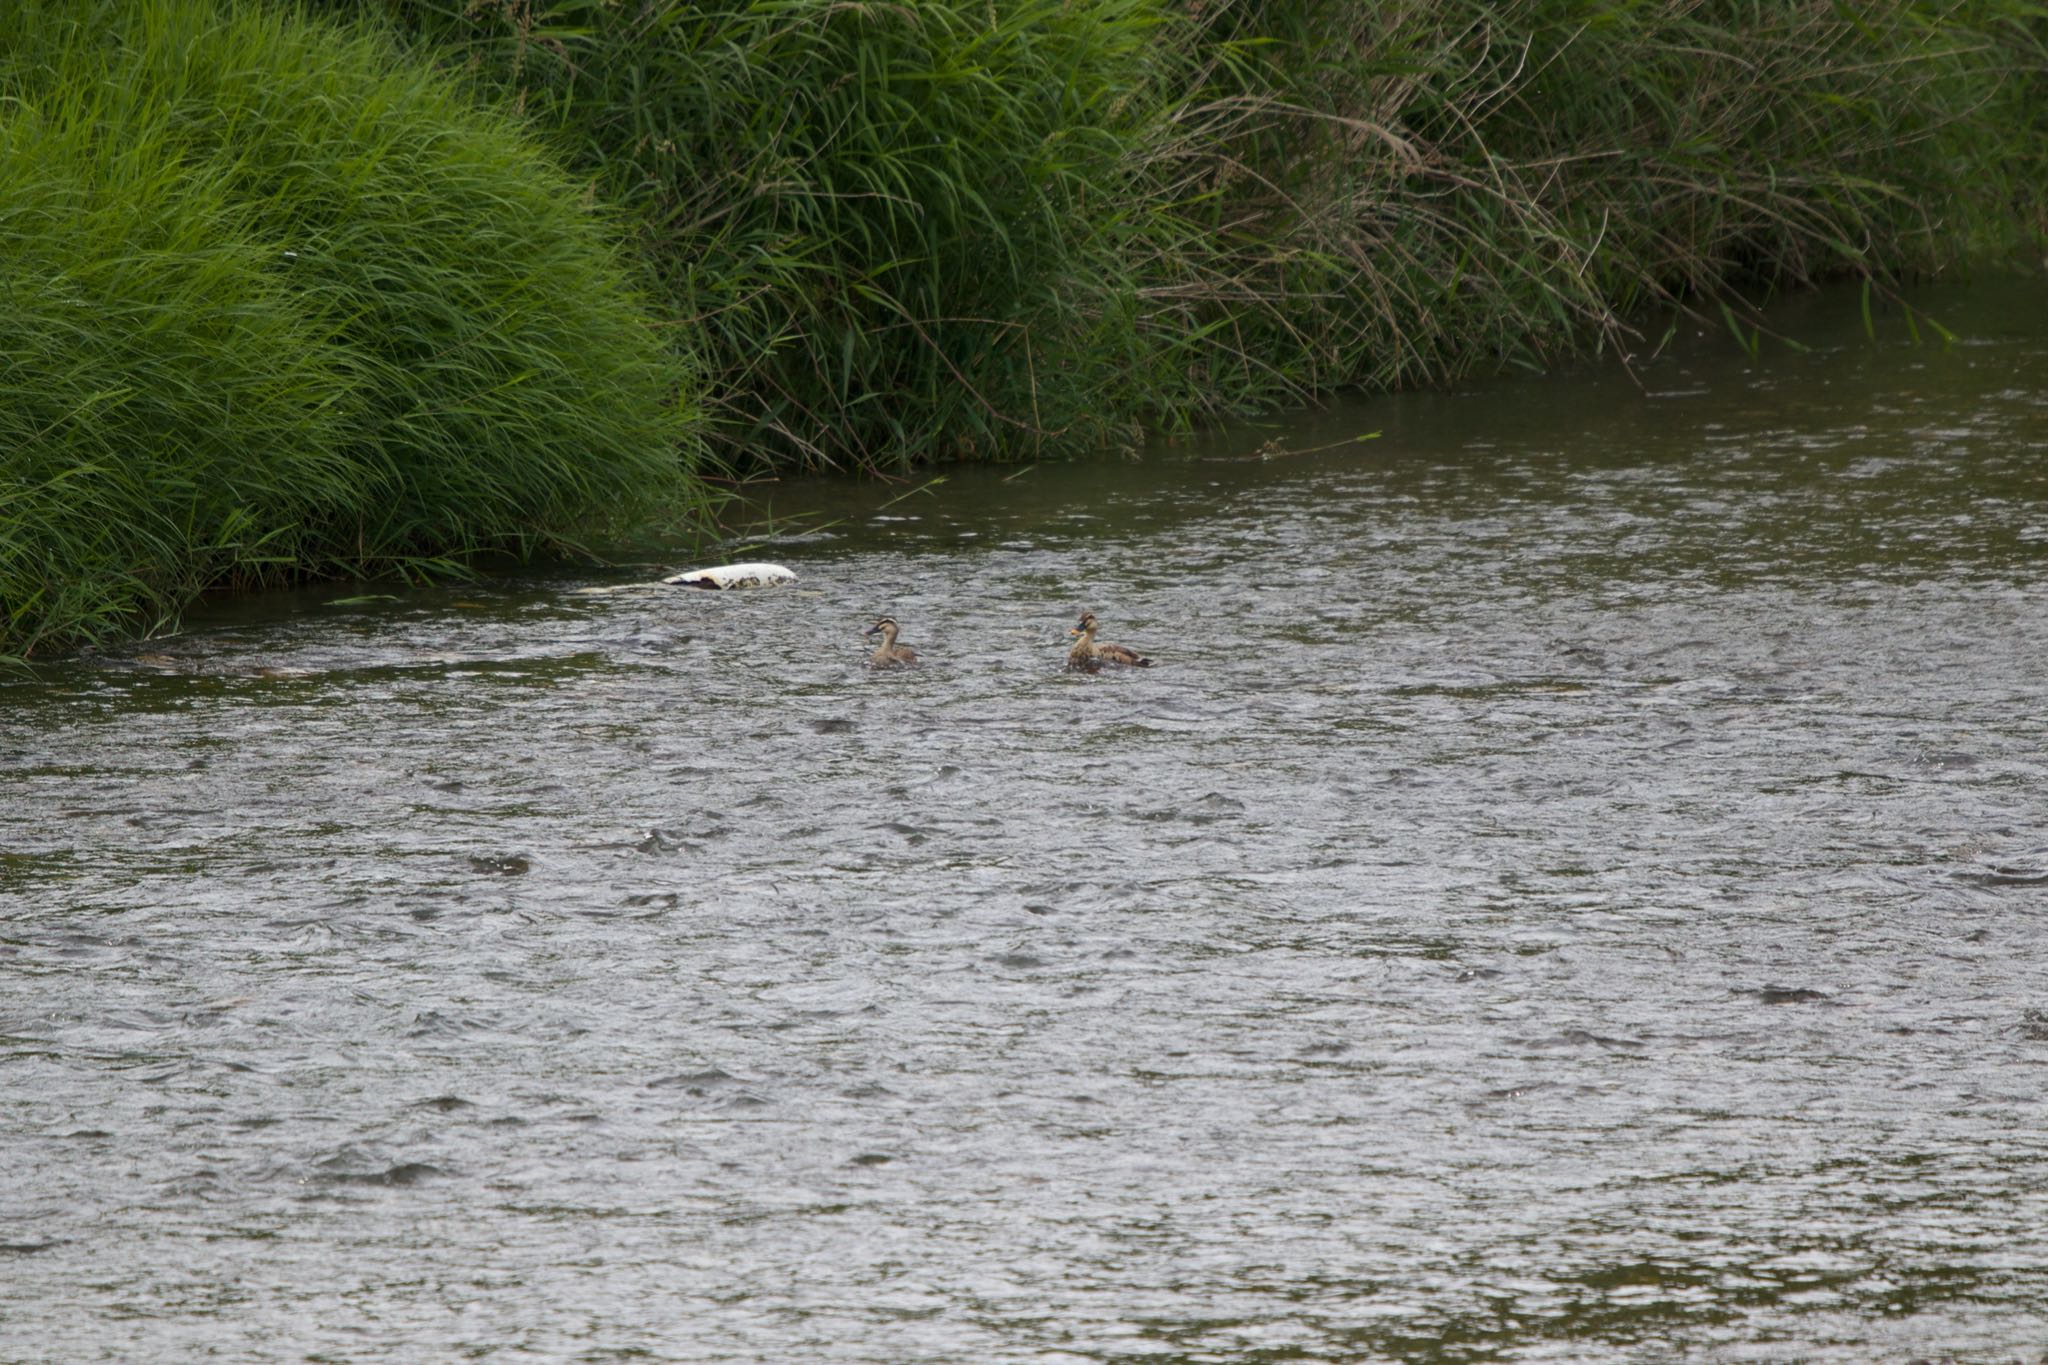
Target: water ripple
{"x": 1569, "y": 890}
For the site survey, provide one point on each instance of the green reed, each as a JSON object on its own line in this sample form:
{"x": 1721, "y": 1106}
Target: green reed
{"x": 892, "y": 231}
{"x": 957, "y": 227}
{"x": 281, "y": 301}
{"x": 1398, "y": 193}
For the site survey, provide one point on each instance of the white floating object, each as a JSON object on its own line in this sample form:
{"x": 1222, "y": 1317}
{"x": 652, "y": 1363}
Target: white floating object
{"x": 734, "y": 576}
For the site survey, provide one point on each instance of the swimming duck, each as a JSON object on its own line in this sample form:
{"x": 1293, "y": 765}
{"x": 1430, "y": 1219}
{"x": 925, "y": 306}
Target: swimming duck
{"x": 1086, "y": 654}
{"x": 888, "y": 654}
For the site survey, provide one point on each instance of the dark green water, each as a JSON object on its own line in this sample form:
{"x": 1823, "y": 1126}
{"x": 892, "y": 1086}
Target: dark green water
{"x": 1572, "y": 889}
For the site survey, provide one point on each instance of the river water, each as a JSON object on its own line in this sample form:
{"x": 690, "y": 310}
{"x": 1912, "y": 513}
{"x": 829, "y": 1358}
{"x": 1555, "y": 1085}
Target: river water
{"x": 1570, "y": 889}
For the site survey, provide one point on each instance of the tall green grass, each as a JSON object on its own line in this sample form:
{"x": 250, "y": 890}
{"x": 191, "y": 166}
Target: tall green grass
{"x": 894, "y": 231}
{"x": 276, "y": 300}
{"x": 933, "y": 228}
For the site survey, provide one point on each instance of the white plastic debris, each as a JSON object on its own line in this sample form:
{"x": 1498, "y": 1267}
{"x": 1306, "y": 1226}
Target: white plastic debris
{"x": 734, "y": 576}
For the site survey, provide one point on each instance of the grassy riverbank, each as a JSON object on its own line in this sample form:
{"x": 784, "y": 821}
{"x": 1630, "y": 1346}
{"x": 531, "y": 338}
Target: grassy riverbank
{"x": 951, "y": 228}
{"x": 292, "y": 296}
{"x": 280, "y": 302}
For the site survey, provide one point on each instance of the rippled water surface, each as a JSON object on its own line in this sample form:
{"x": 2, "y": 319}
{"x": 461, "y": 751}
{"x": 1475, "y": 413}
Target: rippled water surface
{"x": 1571, "y": 889}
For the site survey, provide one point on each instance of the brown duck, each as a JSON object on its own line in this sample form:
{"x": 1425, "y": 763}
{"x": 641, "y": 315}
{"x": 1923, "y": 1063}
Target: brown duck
{"x": 888, "y": 654}
{"x": 1088, "y": 655}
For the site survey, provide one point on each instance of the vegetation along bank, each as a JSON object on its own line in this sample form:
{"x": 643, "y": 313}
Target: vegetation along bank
{"x": 288, "y": 302}
{"x": 279, "y": 301}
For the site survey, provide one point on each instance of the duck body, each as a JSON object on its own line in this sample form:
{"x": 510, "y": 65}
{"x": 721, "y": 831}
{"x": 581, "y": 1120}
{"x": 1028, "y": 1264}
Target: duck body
{"x": 889, "y": 654}
{"x": 1088, "y": 656}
